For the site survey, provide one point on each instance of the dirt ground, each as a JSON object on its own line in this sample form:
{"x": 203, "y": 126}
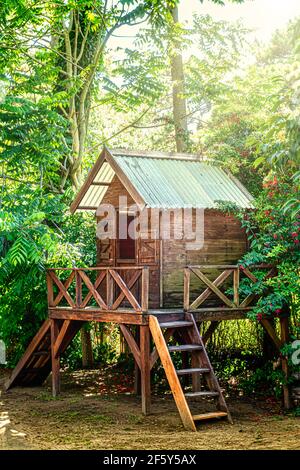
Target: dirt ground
{"x": 97, "y": 410}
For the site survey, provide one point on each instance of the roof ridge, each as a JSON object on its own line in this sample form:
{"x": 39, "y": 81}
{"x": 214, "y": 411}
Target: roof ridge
{"x": 155, "y": 154}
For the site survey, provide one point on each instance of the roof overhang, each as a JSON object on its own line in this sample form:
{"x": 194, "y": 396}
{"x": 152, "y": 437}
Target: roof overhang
{"x": 97, "y": 182}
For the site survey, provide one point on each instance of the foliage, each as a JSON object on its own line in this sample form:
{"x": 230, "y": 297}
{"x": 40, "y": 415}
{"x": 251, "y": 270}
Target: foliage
{"x": 274, "y": 239}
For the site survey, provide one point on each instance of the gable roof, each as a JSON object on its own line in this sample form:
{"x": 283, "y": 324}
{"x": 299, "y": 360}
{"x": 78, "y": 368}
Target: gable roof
{"x": 157, "y": 180}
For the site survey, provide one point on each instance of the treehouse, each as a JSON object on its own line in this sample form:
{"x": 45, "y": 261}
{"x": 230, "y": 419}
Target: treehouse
{"x": 166, "y": 261}
{"x": 177, "y": 198}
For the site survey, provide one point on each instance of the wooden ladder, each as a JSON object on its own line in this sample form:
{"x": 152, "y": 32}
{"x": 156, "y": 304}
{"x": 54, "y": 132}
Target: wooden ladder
{"x": 188, "y": 332}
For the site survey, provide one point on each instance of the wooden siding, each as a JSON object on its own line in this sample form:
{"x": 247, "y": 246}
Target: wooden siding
{"x": 224, "y": 243}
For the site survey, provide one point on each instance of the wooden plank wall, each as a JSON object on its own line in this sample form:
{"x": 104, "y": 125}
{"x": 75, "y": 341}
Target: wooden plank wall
{"x": 224, "y": 243}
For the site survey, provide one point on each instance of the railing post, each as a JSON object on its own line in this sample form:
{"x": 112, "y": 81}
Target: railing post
{"x": 109, "y": 290}
{"x": 78, "y": 281}
{"x": 186, "y": 289}
{"x": 236, "y": 285}
{"x": 50, "y": 295}
{"x": 145, "y": 289}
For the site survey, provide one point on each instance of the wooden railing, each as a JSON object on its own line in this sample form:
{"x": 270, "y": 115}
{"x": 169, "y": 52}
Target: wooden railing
{"x": 106, "y": 288}
{"x": 229, "y": 279}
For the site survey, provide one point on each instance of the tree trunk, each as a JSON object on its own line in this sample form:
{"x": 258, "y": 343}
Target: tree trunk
{"x": 86, "y": 348}
{"x": 178, "y": 90}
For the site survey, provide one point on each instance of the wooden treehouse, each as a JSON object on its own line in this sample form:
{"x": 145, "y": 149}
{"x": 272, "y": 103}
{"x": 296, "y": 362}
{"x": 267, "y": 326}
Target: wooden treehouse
{"x": 158, "y": 288}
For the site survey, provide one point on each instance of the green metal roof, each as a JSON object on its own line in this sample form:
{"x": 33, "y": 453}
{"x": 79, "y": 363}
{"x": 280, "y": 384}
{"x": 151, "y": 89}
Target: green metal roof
{"x": 169, "y": 182}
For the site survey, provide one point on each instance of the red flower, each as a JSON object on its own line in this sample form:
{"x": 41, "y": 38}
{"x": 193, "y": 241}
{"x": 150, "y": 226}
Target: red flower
{"x": 278, "y": 310}
{"x": 296, "y": 241}
{"x": 294, "y": 234}
{"x": 259, "y": 316}
{"x": 275, "y": 236}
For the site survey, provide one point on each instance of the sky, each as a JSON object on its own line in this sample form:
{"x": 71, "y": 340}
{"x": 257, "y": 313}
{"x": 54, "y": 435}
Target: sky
{"x": 264, "y": 17}
{"x": 261, "y": 16}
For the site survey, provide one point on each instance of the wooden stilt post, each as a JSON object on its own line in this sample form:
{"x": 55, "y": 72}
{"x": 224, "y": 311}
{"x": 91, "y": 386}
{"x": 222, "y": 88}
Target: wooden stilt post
{"x": 145, "y": 368}
{"x": 284, "y": 330}
{"x": 137, "y": 372}
{"x": 55, "y": 359}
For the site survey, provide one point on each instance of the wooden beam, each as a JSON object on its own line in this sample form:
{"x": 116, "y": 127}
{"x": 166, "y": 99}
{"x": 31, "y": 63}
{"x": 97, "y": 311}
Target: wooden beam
{"x": 145, "y": 369}
{"x": 137, "y": 369}
{"x": 154, "y": 354}
{"x": 124, "y": 179}
{"x": 284, "y": 333}
{"x": 109, "y": 291}
{"x": 120, "y": 316}
{"x": 218, "y": 314}
{"x": 60, "y": 337}
{"x": 50, "y": 293}
{"x": 132, "y": 344}
{"x": 272, "y": 333}
{"x": 55, "y": 359}
{"x": 186, "y": 289}
{"x": 236, "y": 286}
{"x": 91, "y": 175}
{"x": 250, "y": 275}
{"x": 78, "y": 289}
{"x": 145, "y": 289}
{"x": 210, "y": 330}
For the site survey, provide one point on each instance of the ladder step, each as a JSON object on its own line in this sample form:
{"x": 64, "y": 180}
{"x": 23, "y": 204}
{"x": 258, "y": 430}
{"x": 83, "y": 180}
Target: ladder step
{"x": 211, "y": 415}
{"x": 196, "y": 370}
{"x": 41, "y": 353}
{"x": 202, "y": 394}
{"x": 176, "y": 324}
{"x": 185, "y": 347}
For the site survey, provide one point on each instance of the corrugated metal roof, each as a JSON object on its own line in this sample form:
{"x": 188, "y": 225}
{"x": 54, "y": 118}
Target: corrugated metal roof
{"x": 95, "y": 193}
{"x": 161, "y": 181}
{"x": 181, "y": 183}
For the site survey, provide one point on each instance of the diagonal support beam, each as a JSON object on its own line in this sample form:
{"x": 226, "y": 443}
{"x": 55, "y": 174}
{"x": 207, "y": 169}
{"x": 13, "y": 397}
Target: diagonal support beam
{"x": 132, "y": 344}
{"x": 60, "y": 337}
{"x": 272, "y": 333}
